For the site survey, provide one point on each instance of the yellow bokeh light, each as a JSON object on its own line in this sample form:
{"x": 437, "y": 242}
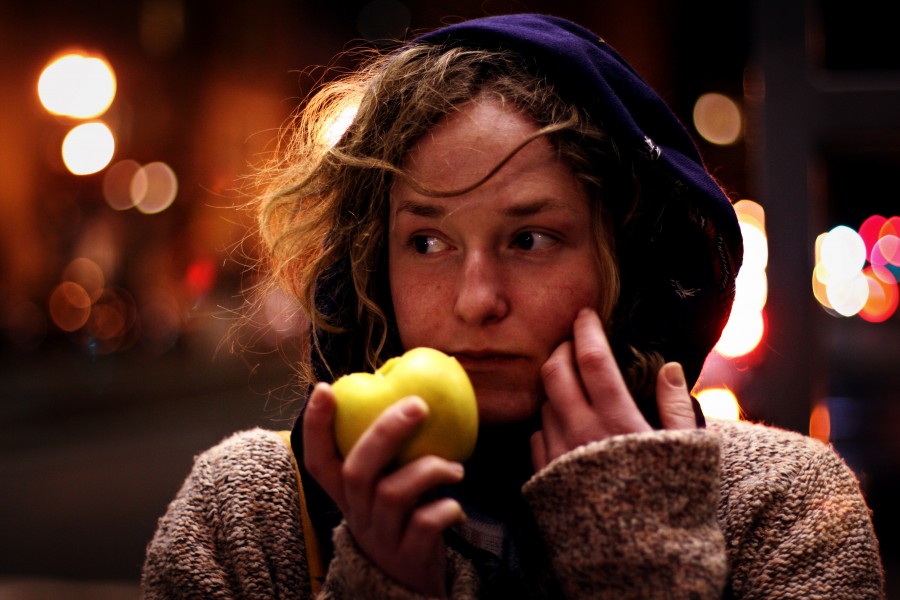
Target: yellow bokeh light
{"x": 820, "y": 239}
{"x": 77, "y": 85}
{"x": 718, "y": 119}
{"x": 820, "y": 285}
{"x": 88, "y": 148}
{"x": 746, "y": 325}
{"x": 751, "y": 212}
{"x": 719, "y": 403}
{"x": 742, "y": 333}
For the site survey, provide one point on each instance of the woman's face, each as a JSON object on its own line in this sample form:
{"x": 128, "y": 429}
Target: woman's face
{"x": 495, "y": 276}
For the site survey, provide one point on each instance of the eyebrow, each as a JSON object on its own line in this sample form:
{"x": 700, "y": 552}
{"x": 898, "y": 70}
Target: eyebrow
{"x": 527, "y": 209}
{"x": 420, "y": 209}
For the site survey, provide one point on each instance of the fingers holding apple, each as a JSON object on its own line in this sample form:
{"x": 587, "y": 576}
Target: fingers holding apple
{"x": 451, "y": 427}
{"x": 418, "y": 413}
{"x": 319, "y": 453}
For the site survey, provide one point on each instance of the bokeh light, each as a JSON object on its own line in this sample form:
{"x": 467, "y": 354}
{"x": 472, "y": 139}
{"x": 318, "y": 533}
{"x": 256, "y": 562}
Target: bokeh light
{"x": 856, "y": 272}
{"x": 820, "y": 423}
{"x": 718, "y": 119}
{"x": 870, "y": 231}
{"x": 117, "y": 184}
{"x": 741, "y": 334}
{"x": 820, "y": 285}
{"x": 756, "y": 246}
{"x": 890, "y": 227}
{"x": 719, "y": 403}
{"x": 843, "y": 253}
{"x": 70, "y": 306}
{"x": 746, "y": 325}
{"x": 753, "y": 290}
{"x": 280, "y": 317}
{"x": 883, "y": 296}
{"x": 200, "y": 277}
{"x": 113, "y": 322}
{"x": 847, "y": 296}
{"x": 88, "y": 148}
{"x": 154, "y": 187}
{"x": 886, "y": 251}
{"x": 87, "y": 274}
{"x": 77, "y": 85}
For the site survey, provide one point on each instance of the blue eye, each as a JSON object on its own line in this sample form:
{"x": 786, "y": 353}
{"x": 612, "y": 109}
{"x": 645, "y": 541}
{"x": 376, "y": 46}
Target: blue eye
{"x": 533, "y": 240}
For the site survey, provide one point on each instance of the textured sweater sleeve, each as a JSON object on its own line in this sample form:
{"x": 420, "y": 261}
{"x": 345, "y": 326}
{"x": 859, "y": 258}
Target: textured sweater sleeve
{"x": 233, "y": 530}
{"x": 795, "y": 518}
{"x": 634, "y": 516}
{"x": 352, "y": 575}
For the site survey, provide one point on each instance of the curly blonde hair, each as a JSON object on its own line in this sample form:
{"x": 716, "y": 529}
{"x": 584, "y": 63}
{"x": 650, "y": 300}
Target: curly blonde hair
{"x": 324, "y": 214}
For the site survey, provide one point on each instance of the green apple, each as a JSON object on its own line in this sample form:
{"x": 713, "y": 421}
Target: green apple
{"x": 451, "y": 428}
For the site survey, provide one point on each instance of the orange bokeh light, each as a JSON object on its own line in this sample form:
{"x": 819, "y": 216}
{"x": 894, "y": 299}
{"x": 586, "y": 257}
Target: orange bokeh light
{"x": 70, "y": 306}
{"x": 820, "y": 423}
{"x": 883, "y": 296}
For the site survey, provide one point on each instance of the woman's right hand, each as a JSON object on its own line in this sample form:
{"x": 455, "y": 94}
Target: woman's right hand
{"x": 392, "y": 522}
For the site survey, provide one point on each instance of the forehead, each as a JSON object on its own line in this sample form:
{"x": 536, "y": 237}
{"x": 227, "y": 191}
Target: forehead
{"x": 466, "y": 145}
{"x": 486, "y": 159}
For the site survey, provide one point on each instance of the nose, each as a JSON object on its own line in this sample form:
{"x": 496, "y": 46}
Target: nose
{"x": 482, "y": 296}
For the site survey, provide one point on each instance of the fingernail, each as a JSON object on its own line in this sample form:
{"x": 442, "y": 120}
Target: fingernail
{"x": 413, "y": 408}
{"x": 674, "y": 374}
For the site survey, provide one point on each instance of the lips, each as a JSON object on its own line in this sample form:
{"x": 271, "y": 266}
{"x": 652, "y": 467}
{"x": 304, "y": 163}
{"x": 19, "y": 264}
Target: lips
{"x": 487, "y": 360}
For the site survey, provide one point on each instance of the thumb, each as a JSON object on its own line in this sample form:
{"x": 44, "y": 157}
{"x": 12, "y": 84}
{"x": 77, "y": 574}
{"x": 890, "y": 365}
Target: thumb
{"x": 676, "y": 409}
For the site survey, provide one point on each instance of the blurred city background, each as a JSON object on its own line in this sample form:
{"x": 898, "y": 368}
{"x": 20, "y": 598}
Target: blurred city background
{"x": 129, "y": 136}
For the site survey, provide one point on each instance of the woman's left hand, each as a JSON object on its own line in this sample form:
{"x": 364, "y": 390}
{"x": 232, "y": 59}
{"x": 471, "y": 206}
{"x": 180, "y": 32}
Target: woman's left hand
{"x": 587, "y": 399}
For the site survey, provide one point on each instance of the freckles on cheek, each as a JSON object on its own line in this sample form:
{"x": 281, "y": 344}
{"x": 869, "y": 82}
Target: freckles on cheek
{"x": 568, "y": 301}
{"x": 419, "y": 306}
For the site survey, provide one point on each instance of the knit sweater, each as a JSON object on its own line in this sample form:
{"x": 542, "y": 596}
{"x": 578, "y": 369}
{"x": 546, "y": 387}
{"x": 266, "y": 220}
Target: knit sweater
{"x": 667, "y": 514}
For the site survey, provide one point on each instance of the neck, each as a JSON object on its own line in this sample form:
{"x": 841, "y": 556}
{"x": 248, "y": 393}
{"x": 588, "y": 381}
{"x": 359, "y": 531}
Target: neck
{"x": 499, "y": 467}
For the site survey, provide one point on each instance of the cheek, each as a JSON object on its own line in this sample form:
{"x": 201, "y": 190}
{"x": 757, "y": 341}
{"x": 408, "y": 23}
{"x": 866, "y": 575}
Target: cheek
{"x": 417, "y": 304}
{"x": 559, "y": 306}
{"x": 557, "y": 310}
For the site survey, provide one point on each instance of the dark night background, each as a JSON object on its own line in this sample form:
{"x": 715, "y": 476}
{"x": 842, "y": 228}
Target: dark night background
{"x": 95, "y": 439}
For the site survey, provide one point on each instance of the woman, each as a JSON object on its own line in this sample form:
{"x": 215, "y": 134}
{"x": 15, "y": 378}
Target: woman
{"x": 512, "y": 193}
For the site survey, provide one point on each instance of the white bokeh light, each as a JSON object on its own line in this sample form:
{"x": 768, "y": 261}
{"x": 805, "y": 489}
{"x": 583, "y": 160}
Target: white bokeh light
{"x": 719, "y": 403}
{"x": 848, "y": 296}
{"x": 843, "y": 253}
{"x": 76, "y": 85}
{"x": 88, "y": 148}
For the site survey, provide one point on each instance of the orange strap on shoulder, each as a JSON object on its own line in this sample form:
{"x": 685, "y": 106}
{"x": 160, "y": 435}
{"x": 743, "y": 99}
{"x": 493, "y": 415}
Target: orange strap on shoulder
{"x": 313, "y": 553}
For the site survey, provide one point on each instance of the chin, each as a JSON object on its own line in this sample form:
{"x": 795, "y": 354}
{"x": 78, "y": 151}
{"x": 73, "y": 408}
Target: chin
{"x": 496, "y": 408}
